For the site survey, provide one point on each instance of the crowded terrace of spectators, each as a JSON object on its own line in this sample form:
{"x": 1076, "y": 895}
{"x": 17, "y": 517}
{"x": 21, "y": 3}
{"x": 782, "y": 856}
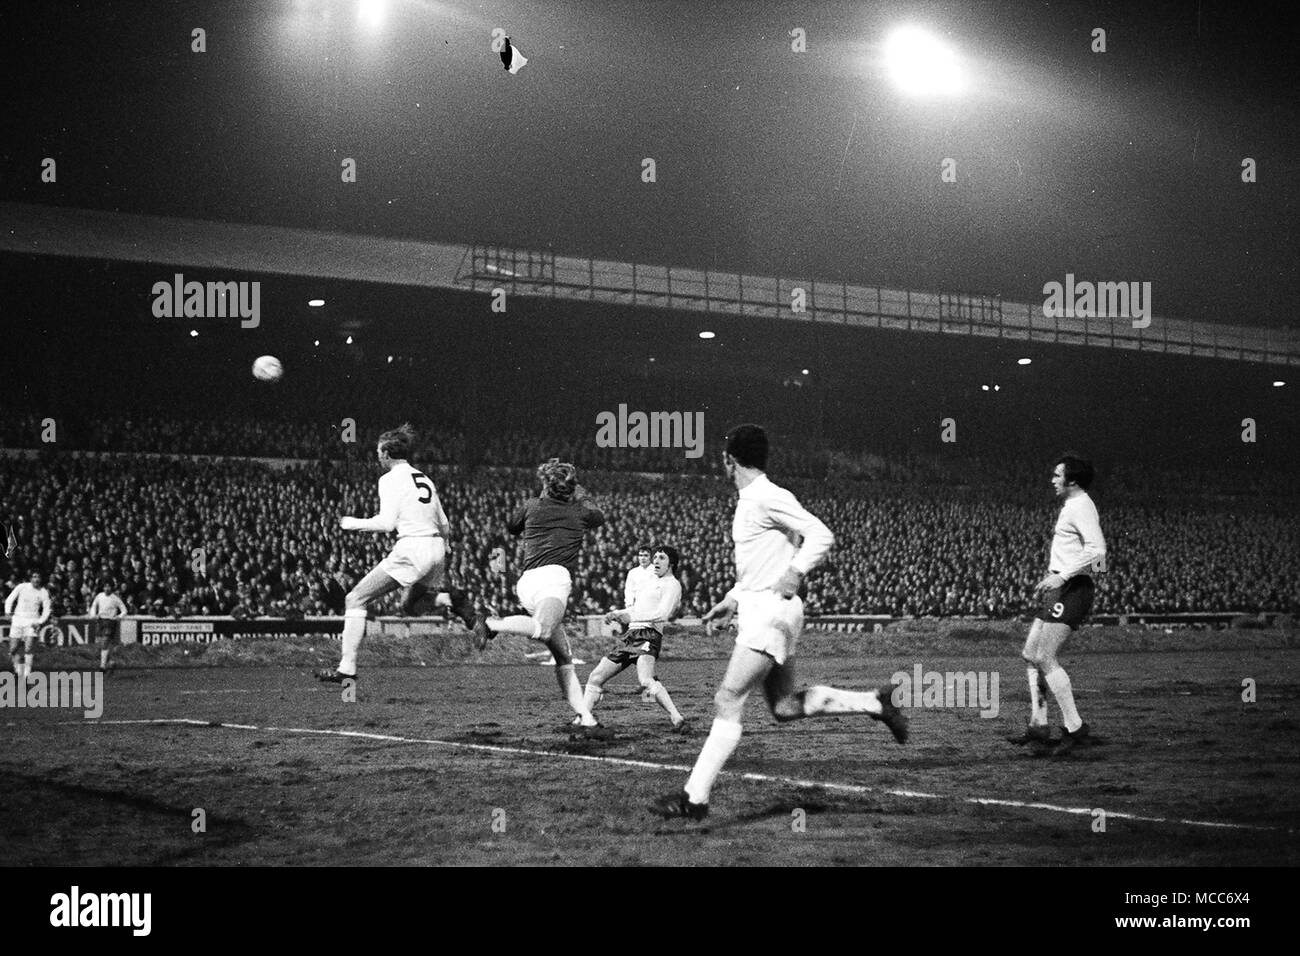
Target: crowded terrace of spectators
{"x": 182, "y": 535}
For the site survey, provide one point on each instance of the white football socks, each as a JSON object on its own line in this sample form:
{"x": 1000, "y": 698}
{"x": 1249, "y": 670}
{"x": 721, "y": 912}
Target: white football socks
{"x": 1059, "y": 682}
{"x": 1037, "y": 706}
{"x": 590, "y": 695}
{"x": 660, "y": 693}
{"x": 520, "y": 624}
{"x": 354, "y": 629}
{"x": 722, "y": 741}
{"x": 571, "y": 689}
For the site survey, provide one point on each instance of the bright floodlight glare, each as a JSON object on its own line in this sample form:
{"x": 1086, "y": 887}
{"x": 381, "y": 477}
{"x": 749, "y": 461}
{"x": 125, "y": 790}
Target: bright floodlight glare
{"x": 315, "y": 303}
{"x": 921, "y": 64}
{"x": 370, "y": 13}
{"x": 1024, "y": 361}
{"x": 706, "y": 335}
{"x": 1278, "y": 384}
{"x": 194, "y": 334}
{"x": 316, "y": 343}
{"x": 985, "y": 387}
{"x": 348, "y": 341}
{"x": 805, "y": 371}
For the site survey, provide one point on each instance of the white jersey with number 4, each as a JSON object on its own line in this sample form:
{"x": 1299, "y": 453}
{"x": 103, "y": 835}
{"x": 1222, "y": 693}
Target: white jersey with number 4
{"x": 408, "y": 503}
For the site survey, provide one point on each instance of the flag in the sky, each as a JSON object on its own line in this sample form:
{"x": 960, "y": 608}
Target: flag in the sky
{"x": 511, "y": 58}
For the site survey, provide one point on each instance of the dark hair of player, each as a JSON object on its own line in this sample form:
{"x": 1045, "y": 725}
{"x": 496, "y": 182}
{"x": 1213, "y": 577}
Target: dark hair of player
{"x": 398, "y": 442}
{"x": 645, "y": 549}
{"x": 558, "y": 478}
{"x": 674, "y": 556}
{"x": 1078, "y": 471}
{"x": 748, "y": 445}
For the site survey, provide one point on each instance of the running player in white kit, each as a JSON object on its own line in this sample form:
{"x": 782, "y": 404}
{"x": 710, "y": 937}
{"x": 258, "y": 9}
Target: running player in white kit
{"x": 408, "y": 504}
{"x": 29, "y": 608}
{"x": 777, "y": 543}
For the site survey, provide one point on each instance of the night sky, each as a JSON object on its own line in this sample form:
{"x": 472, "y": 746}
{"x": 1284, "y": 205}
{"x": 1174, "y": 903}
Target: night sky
{"x": 1120, "y": 166}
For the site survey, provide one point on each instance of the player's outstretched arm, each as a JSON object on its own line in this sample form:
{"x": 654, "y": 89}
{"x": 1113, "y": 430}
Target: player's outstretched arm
{"x": 517, "y": 520}
{"x": 720, "y": 614}
{"x": 386, "y": 520}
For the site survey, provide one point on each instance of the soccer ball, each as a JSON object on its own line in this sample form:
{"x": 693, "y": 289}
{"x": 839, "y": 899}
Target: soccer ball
{"x": 268, "y": 368}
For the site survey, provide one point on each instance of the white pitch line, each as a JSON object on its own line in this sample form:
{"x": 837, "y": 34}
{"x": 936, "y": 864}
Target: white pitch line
{"x": 853, "y": 788}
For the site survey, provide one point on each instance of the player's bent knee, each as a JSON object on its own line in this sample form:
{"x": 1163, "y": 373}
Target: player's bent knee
{"x": 727, "y": 702}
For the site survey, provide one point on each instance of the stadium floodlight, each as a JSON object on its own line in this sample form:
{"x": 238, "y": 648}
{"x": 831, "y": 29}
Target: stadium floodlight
{"x": 348, "y": 340}
{"x": 390, "y": 360}
{"x": 805, "y": 371}
{"x": 315, "y": 303}
{"x": 706, "y": 335}
{"x": 984, "y": 387}
{"x": 194, "y": 334}
{"x": 1024, "y": 361}
{"x": 921, "y": 64}
{"x": 1278, "y": 384}
{"x": 371, "y": 13}
{"x": 316, "y": 343}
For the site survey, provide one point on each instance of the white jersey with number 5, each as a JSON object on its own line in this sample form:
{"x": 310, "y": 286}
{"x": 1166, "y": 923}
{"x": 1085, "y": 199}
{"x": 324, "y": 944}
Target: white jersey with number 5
{"x": 408, "y": 503}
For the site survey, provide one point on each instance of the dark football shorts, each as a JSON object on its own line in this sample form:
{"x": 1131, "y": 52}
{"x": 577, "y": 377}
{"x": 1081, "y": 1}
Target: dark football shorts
{"x": 1069, "y": 604}
{"x": 108, "y": 631}
{"x": 641, "y": 640}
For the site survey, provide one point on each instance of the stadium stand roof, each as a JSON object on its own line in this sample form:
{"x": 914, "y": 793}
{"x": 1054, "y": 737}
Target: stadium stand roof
{"x": 84, "y": 233}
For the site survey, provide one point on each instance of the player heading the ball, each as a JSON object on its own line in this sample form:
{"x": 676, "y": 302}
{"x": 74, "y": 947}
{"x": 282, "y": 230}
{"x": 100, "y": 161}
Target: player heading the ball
{"x": 409, "y": 505}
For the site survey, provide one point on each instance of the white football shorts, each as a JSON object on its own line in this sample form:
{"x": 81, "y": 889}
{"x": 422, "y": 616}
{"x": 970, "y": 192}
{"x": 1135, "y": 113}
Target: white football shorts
{"x": 769, "y": 623}
{"x": 416, "y": 561}
{"x": 549, "y": 581}
{"x": 22, "y": 630}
